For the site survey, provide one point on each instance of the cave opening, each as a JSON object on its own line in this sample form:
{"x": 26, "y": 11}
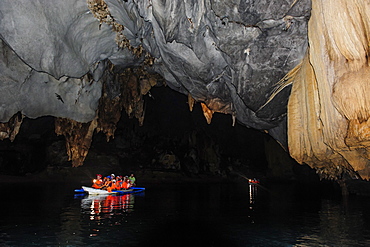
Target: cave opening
{"x": 172, "y": 139}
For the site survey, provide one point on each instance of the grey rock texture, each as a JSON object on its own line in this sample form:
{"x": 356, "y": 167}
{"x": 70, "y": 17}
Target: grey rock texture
{"x": 231, "y": 51}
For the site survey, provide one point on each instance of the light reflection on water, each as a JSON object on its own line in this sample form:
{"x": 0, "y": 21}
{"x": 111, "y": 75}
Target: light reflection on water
{"x": 105, "y": 206}
{"x": 197, "y": 215}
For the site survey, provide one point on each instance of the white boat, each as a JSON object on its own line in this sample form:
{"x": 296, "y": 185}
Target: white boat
{"x": 93, "y": 191}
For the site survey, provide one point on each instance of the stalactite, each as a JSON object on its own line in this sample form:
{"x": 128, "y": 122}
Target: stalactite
{"x": 132, "y": 98}
{"x": 191, "y": 102}
{"x": 208, "y": 113}
{"x": 329, "y": 110}
{"x": 136, "y": 83}
{"x": 99, "y": 9}
{"x": 109, "y": 114}
{"x": 120, "y": 91}
{"x": 218, "y": 105}
{"x": 11, "y": 128}
{"x": 210, "y": 106}
{"x": 78, "y": 138}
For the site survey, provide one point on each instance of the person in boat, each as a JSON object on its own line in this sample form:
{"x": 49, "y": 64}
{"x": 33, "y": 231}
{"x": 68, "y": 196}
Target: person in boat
{"x": 119, "y": 182}
{"x": 132, "y": 179}
{"x": 112, "y": 186}
{"x": 106, "y": 183}
{"x": 126, "y": 183}
{"x": 98, "y": 182}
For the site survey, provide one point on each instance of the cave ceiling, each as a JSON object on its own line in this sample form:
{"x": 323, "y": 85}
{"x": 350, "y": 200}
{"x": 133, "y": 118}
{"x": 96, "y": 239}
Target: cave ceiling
{"x": 277, "y": 66}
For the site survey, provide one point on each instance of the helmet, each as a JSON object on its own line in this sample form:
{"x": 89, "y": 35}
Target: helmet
{"x": 112, "y": 175}
{"x": 99, "y": 175}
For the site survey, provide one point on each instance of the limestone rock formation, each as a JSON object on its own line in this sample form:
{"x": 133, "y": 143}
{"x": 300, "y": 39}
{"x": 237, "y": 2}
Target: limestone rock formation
{"x": 328, "y": 109}
{"x": 85, "y": 61}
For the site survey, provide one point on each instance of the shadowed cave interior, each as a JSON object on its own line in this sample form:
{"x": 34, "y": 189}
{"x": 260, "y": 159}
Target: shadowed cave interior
{"x": 173, "y": 143}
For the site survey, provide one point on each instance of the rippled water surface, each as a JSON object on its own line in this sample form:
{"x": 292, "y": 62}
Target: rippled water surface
{"x": 183, "y": 215}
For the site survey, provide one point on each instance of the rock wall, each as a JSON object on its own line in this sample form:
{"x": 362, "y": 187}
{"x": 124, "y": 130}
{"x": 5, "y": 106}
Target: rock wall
{"x": 227, "y": 55}
{"x": 87, "y": 60}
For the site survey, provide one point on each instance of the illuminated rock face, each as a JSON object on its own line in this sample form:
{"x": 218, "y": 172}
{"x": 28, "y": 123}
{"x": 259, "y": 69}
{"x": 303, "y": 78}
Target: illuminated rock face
{"x": 328, "y": 113}
{"x": 70, "y": 60}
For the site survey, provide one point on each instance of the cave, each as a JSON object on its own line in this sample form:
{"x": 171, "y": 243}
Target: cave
{"x": 279, "y": 72}
{"x": 182, "y": 92}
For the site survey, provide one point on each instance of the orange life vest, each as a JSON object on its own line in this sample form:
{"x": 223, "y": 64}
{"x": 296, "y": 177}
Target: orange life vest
{"x": 97, "y": 183}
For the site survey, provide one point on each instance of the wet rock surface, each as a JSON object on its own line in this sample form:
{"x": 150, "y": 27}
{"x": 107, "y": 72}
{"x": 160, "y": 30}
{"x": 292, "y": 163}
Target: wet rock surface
{"x": 227, "y": 52}
{"x": 86, "y": 62}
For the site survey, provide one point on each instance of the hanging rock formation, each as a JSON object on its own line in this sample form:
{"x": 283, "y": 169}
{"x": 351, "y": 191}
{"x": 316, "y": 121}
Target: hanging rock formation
{"x": 328, "y": 112}
{"x": 84, "y": 62}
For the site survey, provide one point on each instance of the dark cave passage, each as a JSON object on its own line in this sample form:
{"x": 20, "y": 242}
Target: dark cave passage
{"x": 171, "y": 139}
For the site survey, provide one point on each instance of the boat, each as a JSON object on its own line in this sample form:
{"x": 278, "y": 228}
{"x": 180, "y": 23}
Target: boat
{"x": 93, "y": 191}
{"x": 253, "y": 181}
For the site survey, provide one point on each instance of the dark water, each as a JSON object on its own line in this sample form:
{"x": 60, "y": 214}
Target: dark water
{"x": 179, "y": 215}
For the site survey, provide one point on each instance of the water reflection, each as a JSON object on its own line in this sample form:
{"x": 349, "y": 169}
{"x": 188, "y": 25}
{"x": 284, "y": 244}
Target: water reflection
{"x": 106, "y": 206}
{"x": 218, "y": 215}
{"x": 253, "y": 190}
{"x": 96, "y": 219}
{"x": 253, "y": 193}
{"x": 337, "y": 225}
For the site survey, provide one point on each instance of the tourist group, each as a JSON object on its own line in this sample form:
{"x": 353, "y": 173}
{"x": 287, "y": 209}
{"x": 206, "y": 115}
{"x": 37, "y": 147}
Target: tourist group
{"x": 113, "y": 182}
